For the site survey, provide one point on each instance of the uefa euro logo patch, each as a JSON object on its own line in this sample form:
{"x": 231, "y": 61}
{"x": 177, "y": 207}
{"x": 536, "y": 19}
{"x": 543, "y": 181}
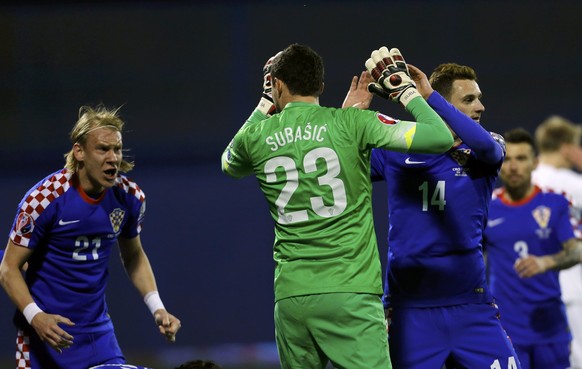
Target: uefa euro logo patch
{"x": 229, "y": 151}
{"x": 24, "y": 224}
{"x": 386, "y": 119}
{"x": 116, "y": 218}
{"x": 142, "y": 210}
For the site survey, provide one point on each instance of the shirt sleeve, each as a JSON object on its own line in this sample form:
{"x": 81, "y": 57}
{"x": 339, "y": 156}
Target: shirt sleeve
{"x": 569, "y": 225}
{"x": 136, "y": 216}
{"x": 432, "y": 134}
{"x": 30, "y": 223}
{"x": 429, "y": 134}
{"x": 377, "y": 165}
{"x": 487, "y": 147}
{"x": 234, "y": 160}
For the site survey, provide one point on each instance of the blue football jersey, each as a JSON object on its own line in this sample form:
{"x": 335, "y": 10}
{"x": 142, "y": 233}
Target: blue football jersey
{"x": 72, "y": 236}
{"x": 531, "y": 308}
{"x": 437, "y": 208}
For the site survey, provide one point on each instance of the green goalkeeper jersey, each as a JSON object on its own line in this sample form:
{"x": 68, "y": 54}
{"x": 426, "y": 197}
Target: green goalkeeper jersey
{"x": 313, "y": 166}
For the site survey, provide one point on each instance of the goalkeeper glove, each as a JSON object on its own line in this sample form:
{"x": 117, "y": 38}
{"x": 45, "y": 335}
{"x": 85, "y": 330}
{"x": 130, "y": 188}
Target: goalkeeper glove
{"x": 392, "y": 77}
{"x": 266, "y": 104}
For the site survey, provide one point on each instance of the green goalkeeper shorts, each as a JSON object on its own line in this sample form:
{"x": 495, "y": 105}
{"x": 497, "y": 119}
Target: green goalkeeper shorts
{"x": 346, "y": 329}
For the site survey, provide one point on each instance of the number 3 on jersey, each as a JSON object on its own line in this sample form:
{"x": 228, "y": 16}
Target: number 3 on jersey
{"x": 293, "y": 183}
{"x": 437, "y": 198}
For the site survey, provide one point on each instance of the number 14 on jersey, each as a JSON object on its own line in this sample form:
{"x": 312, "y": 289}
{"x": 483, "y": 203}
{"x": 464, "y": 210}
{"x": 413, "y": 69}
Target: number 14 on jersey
{"x": 437, "y": 195}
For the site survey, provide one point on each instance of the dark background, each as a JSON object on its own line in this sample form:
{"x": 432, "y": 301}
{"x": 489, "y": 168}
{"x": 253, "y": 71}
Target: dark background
{"x": 187, "y": 75}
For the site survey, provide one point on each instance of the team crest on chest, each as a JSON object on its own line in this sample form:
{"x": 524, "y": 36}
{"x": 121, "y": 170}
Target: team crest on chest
{"x": 461, "y": 156}
{"x": 542, "y": 215}
{"x": 116, "y": 218}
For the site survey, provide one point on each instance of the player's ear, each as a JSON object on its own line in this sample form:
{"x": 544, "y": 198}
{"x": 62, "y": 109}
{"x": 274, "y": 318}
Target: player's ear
{"x": 278, "y": 85}
{"x": 78, "y": 152}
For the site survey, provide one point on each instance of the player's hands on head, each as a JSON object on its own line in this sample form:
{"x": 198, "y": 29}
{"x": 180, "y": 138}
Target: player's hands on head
{"x": 49, "y": 331}
{"x": 421, "y": 80}
{"x": 266, "y": 104}
{"x": 358, "y": 95}
{"x": 167, "y": 324}
{"x": 393, "y": 81}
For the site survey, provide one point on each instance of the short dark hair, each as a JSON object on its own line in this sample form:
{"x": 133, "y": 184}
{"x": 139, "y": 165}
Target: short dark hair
{"x": 444, "y": 75}
{"x": 520, "y": 135}
{"x": 301, "y": 69}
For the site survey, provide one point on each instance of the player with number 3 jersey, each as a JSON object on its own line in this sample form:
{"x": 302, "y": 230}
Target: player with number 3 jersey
{"x": 312, "y": 164}
{"x": 531, "y": 235}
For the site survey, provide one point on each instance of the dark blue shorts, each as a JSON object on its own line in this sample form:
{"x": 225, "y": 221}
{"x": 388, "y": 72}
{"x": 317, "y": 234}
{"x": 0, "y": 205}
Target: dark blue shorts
{"x": 88, "y": 349}
{"x": 554, "y": 355}
{"x": 463, "y": 336}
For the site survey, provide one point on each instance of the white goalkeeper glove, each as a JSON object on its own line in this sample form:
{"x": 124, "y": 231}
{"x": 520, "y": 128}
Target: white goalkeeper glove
{"x": 266, "y": 104}
{"x": 392, "y": 77}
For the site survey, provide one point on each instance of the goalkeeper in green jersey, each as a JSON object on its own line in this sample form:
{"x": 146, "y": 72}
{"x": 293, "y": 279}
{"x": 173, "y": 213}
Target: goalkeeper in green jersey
{"x": 313, "y": 166}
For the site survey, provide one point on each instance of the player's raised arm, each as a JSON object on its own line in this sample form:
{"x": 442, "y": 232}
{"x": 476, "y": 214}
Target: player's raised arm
{"x": 358, "y": 95}
{"x": 487, "y": 146}
{"x": 230, "y": 162}
{"x": 430, "y": 134}
{"x": 266, "y": 106}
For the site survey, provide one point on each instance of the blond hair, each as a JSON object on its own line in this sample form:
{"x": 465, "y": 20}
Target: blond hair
{"x": 555, "y": 131}
{"x": 89, "y": 120}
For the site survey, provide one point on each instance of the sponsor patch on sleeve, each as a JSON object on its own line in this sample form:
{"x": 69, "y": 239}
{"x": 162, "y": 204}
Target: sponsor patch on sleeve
{"x": 386, "y": 119}
{"x": 24, "y": 224}
{"x": 500, "y": 140}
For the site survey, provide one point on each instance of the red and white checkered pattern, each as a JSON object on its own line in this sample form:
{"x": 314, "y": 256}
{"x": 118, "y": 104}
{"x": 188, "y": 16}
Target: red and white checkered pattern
{"x": 575, "y": 219}
{"x": 130, "y": 187}
{"x": 22, "y": 351}
{"x": 38, "y": 200}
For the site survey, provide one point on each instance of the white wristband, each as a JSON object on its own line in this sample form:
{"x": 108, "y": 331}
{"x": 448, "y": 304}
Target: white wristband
{"x": 30, "y": 311}
{"x": 408, "y": 95}
{"x": 265, "y": 106}
{"x": 153, "y": 301}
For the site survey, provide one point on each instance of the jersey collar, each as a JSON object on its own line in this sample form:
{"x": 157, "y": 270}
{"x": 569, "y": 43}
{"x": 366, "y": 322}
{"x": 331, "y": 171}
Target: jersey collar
{"x": 523, "y": 201}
